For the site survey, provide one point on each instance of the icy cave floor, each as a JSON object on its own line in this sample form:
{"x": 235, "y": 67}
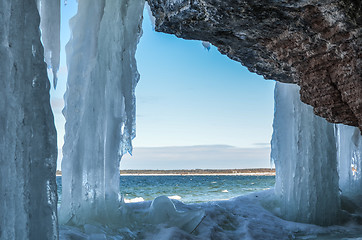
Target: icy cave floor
{"x": 243, "y": 217}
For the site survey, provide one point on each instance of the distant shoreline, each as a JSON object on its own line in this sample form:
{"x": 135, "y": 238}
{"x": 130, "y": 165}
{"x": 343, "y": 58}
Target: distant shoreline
{"x": 197, "y": 172}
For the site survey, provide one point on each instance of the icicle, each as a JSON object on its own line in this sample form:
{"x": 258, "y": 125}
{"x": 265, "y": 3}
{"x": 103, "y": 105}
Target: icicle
{"x": 49, "y": 11}
{"x": 100, "y": 106}
{"x": 304, "y": 152}
{"x": 28, "y": 197}
{"x": 206, "y": 45}
{"x": 349, "y": 145}
{"x": 150, "y": 15}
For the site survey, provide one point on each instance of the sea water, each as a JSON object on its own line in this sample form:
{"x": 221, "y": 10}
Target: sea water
{"x": 244, "y": 216}
{"x": 188, "y": 188}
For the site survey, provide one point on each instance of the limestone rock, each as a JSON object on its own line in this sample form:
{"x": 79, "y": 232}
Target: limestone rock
{"x": 316, "y": 44}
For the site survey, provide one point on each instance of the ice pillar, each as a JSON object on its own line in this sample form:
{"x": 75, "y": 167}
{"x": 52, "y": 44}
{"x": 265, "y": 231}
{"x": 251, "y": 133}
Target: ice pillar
{"x": 28, "y": 138}
{"x": 304, "y": 152}
{"x": 49, "y": 11}
{"x": 99, "y": 107}
{"x": 349, "y": 145}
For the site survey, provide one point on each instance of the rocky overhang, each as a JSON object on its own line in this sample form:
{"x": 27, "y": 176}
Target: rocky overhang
{"x": 315, "y": 44}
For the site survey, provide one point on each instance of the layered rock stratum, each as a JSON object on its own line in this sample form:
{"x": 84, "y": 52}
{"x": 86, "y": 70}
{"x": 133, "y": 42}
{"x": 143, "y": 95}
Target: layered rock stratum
{"x": 315, "y": 44}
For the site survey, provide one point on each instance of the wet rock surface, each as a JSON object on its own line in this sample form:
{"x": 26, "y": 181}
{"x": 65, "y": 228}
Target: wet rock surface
{"x": 316, "y": 44}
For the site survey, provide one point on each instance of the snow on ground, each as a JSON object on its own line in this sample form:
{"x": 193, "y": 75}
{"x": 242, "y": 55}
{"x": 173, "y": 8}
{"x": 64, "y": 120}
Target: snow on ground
{"x": 244, "y": 217}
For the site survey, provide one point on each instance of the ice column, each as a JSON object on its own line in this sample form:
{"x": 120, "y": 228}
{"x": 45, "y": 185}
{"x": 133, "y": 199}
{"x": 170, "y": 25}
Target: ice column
{"x": 100, "y": 106}
{"x": 304, "y": 152}
{"x": 28, "y": 138}
{"x": 49, "y": 11}
{"x": 349, "y": 145}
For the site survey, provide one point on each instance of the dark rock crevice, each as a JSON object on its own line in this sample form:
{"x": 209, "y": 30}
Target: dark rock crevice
{"x": 316, "y": 44}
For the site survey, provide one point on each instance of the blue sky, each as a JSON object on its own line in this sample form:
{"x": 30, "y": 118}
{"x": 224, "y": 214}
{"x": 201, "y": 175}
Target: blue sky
{"x": 195, "y": 108}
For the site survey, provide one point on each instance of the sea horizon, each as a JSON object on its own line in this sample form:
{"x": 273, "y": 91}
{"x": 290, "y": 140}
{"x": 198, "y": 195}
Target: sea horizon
{"x": 195, "y": 172}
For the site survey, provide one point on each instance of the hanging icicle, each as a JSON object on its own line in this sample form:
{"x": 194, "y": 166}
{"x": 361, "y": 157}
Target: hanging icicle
{"x": 100, "y": 106}
{"x": 49, "y": 11}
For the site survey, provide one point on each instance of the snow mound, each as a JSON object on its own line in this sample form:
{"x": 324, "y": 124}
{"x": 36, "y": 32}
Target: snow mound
{"x": 245, "y": 217}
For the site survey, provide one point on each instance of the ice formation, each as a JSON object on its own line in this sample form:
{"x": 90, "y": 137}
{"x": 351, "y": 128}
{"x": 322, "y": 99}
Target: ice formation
{"x": 99, "y": 107}
{"x": 100, "y": 114}
{"x": 206, "y": 45}
{"x": 28, "y": 138}
{"x": 304, "y": 152}
{"x": 163, "y": 211}
{"x": 243, "y": 217}
{"x": 152, "y": 18}
{"x": 349, "y": 146}
{"x": 50, "y": 34}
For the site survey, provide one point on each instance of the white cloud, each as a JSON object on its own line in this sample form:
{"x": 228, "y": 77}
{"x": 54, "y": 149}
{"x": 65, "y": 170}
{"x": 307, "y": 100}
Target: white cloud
{"x": 193, "y": 157}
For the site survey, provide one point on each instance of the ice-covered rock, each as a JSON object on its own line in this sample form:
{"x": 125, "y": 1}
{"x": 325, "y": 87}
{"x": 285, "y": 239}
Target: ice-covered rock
{"x": 99, "y": 107}
{"x": 304, "y": 153}
{"x": 28, "y": 149}
{"x": 243, "y": 217}
{"x": 163, "y": 211}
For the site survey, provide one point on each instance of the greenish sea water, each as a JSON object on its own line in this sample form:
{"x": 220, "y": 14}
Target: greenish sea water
{"x": 190, "y": 188}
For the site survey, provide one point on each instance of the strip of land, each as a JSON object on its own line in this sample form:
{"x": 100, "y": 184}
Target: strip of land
{"x": 245, "y": 172}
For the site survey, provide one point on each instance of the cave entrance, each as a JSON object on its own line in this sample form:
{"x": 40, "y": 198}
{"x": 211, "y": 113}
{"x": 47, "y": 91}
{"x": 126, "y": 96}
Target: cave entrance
{"x": 196, "y": 108}
{"x": 190, "y": 96}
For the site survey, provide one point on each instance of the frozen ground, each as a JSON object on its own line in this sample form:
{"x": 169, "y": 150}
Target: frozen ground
{"x": 243, "y": 217}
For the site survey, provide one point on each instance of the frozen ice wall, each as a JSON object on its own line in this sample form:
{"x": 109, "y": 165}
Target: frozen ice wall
{"x": 304, "y": 152}
{"x": 28, "y": 138}
{"x": 349, "y": 145}
{"x": 99, "y": 107}
{"x": 49, "y": 11}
